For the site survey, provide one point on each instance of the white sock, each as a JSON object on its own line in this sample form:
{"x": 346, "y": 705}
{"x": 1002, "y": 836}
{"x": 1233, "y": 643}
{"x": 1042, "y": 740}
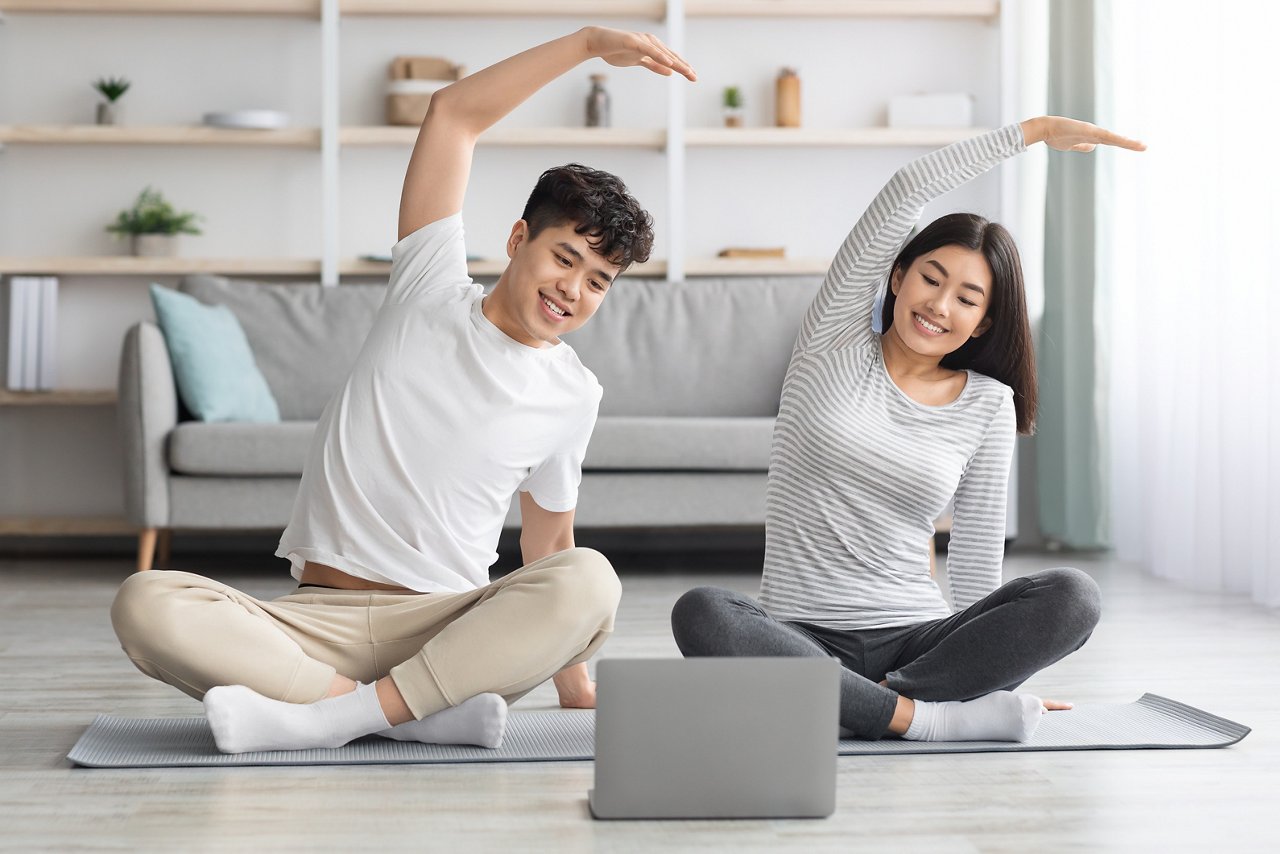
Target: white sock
{"x": 998, "y": 716}
{"x": 482, "y": 720}
{"x": 244, "y": 721}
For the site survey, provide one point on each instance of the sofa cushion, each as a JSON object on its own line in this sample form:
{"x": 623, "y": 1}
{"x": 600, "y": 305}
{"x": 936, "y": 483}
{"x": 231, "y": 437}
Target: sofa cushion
{"x": 622, "y": 443}
{"x": 305, "y": 336}
{"x": 213, "y": 363}
{"x": 707, "y": 347}
{"x": 618, "y": 444}
{"x": 240, "y": 450}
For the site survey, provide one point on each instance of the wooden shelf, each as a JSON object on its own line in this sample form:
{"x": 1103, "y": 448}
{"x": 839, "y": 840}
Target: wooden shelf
{"x": 381, "y": 135}
{"x": 831, "y": 137}
{"x": 130, "y": 266}
{"x": 595, "y": 137}
{"x": 645, "y": 9}
{"x": 755, "y": 266}
{"x": 127, "y": 265}
{"x": 487, "y": 267}
{"x": 175, "y": 135}
{"x": 310, "y": 137}
{"x": 289, "y": 8}
{"x": 841, "y": 8}
{"x": 58, "y": 397}
{"x": 38, "y": 526}
{"x": 586, "y": 9}
{"x": 649, "y": 269}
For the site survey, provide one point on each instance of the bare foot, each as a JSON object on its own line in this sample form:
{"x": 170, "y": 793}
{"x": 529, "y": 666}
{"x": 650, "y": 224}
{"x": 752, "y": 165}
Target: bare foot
{"x": 581, "y": 697}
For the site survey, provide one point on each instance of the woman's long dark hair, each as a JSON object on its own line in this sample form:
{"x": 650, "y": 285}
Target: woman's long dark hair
{"x": 1004, "y": 352}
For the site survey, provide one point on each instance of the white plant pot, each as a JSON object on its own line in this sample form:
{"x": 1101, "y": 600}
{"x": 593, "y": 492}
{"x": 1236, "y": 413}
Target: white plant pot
{"x": 108, "y": 113}
{"x": 155, "y": 245}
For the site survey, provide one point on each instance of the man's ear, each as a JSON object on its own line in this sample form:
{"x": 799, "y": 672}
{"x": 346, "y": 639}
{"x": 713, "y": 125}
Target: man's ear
{"x": 895, "y": 280}
{"x": 982, "y": 327}
{"x": 519, "y": 234}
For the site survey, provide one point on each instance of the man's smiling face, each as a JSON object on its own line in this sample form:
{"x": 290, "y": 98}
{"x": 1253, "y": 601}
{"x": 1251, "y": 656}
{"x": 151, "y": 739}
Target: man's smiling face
{"x": 553, "y": 285}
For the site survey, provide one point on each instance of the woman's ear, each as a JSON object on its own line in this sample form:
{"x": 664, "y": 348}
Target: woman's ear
{"x": 895, "y": 280}
{"x": 982, "y": 327}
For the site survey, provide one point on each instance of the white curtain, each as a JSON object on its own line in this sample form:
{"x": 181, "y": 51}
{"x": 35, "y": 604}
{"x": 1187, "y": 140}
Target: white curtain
{"x": 1189, "y": 290}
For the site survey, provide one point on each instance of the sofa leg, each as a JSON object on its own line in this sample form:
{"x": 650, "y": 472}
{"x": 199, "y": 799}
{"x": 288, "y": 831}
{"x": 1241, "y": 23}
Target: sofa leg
{"x": 146, "y": 548}
{"x": 163, "y": 543}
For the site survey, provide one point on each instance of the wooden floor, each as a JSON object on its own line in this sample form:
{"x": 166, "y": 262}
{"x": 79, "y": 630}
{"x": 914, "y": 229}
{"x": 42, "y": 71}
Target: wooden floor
{"x": 61, "y": 666}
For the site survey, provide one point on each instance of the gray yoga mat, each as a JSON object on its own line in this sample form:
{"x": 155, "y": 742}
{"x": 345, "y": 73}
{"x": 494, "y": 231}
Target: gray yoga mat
{"x": 548, "y": 736}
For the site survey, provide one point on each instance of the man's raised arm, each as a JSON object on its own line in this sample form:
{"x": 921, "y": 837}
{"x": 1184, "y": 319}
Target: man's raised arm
{"x": 436, "y": 180}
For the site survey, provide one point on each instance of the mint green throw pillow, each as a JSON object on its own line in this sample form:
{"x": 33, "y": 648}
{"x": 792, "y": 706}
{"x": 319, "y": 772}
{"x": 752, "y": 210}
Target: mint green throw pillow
{"x": 213, "y": 364}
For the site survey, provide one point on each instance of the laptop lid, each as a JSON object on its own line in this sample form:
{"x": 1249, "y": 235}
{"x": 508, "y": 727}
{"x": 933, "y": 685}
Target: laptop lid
{"x": 716, "y": 738}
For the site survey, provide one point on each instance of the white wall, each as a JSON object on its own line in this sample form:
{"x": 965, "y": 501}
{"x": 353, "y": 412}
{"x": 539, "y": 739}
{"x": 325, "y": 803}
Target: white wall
{"x": 265, "y": 202}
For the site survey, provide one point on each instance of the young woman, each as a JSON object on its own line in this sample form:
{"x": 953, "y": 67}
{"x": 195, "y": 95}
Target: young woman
{"x": 875, "y": 434}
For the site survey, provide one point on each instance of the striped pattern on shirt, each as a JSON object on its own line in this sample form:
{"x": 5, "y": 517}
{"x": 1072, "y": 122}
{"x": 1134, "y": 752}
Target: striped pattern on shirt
{"x": 859, "y": 471}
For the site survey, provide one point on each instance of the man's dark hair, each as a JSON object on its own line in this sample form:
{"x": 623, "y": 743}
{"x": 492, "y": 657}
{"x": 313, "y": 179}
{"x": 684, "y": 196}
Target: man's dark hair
{"x": 598, "y": 205}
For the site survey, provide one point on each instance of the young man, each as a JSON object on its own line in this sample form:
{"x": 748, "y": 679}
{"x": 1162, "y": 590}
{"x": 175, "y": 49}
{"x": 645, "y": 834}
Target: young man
{"x": 456, "y": 402}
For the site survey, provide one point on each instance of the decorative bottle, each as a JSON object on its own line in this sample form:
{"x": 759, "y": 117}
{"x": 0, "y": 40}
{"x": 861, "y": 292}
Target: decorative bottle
{"x": 788, "y": 99}
{"x": 597, "y": 103}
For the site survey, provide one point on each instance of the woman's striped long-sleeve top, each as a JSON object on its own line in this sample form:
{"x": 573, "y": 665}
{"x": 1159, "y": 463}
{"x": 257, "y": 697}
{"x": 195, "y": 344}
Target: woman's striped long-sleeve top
{"x": 859, "y": 471}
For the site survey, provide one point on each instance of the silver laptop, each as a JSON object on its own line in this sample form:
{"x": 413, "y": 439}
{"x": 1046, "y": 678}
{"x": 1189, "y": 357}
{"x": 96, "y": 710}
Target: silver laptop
{"x": 716, "y": 738}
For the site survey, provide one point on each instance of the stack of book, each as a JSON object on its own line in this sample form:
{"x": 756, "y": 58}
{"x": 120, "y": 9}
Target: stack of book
{"x": 33, "y": 333}
{"x": 753, "y": 252}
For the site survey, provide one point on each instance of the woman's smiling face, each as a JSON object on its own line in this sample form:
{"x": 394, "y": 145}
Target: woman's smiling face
{"x": 942, "y": 300}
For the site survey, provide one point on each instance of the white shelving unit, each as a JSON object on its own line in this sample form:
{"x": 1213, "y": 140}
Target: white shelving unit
{"x": 331, "y": 138}
{"x": 684, "y": 148}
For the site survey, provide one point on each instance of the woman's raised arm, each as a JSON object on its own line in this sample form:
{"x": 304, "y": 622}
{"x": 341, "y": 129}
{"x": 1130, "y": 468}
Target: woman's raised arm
{"x": 840, "y": 314}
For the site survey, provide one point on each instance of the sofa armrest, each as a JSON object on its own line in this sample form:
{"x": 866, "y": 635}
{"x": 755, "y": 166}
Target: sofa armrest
{"x": 148, "y": 412}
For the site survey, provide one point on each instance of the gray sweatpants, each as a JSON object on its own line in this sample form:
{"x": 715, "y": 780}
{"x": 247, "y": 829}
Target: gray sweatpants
{"x": 994, "y": 644}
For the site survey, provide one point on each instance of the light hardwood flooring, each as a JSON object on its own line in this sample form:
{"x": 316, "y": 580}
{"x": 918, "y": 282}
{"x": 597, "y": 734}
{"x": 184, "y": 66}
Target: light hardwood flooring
{"x": 61, "y": 666}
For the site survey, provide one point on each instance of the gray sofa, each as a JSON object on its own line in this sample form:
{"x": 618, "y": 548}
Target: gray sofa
{"x": 691, "y": 372}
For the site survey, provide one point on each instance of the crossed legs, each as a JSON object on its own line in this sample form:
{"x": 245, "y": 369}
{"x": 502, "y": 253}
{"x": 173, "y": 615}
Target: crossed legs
{"x": 428, "y": 652}
{"x": 987, "y": 649}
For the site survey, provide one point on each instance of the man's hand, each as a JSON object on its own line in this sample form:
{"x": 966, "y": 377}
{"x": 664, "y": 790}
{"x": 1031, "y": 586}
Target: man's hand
{"x": 623, "y": 50}
{"x": 542, "y": 533}
{"x": 575, "y": 688}
{"x": 436, "y": 180}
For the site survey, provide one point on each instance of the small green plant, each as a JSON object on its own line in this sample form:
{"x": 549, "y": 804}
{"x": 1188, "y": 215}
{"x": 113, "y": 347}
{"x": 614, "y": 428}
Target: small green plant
{"x": 151, "y": 214}
{"x": 111, "y": 88}
{"x": 732, "y": 97}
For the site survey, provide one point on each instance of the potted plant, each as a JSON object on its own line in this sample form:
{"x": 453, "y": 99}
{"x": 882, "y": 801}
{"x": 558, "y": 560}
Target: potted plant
{"x": 153, "y": 225}
{"x": 110, "y": 88}
{"x": 732, "y": 107}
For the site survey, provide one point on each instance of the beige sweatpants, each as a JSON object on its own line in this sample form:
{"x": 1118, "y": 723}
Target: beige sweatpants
{"x": 439, "y": 648}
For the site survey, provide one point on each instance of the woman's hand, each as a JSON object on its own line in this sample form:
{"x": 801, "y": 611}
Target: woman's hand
{"x": 1055, "y": 705}
{"x": 1065, "y": 134}
{"x": 623, "y": 49}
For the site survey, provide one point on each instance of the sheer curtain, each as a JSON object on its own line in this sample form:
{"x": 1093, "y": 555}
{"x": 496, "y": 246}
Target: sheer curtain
{"x": 1189, "y": 291}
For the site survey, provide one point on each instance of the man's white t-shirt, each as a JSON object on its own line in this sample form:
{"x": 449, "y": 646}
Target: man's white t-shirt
{"x": 444, "y": 417}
